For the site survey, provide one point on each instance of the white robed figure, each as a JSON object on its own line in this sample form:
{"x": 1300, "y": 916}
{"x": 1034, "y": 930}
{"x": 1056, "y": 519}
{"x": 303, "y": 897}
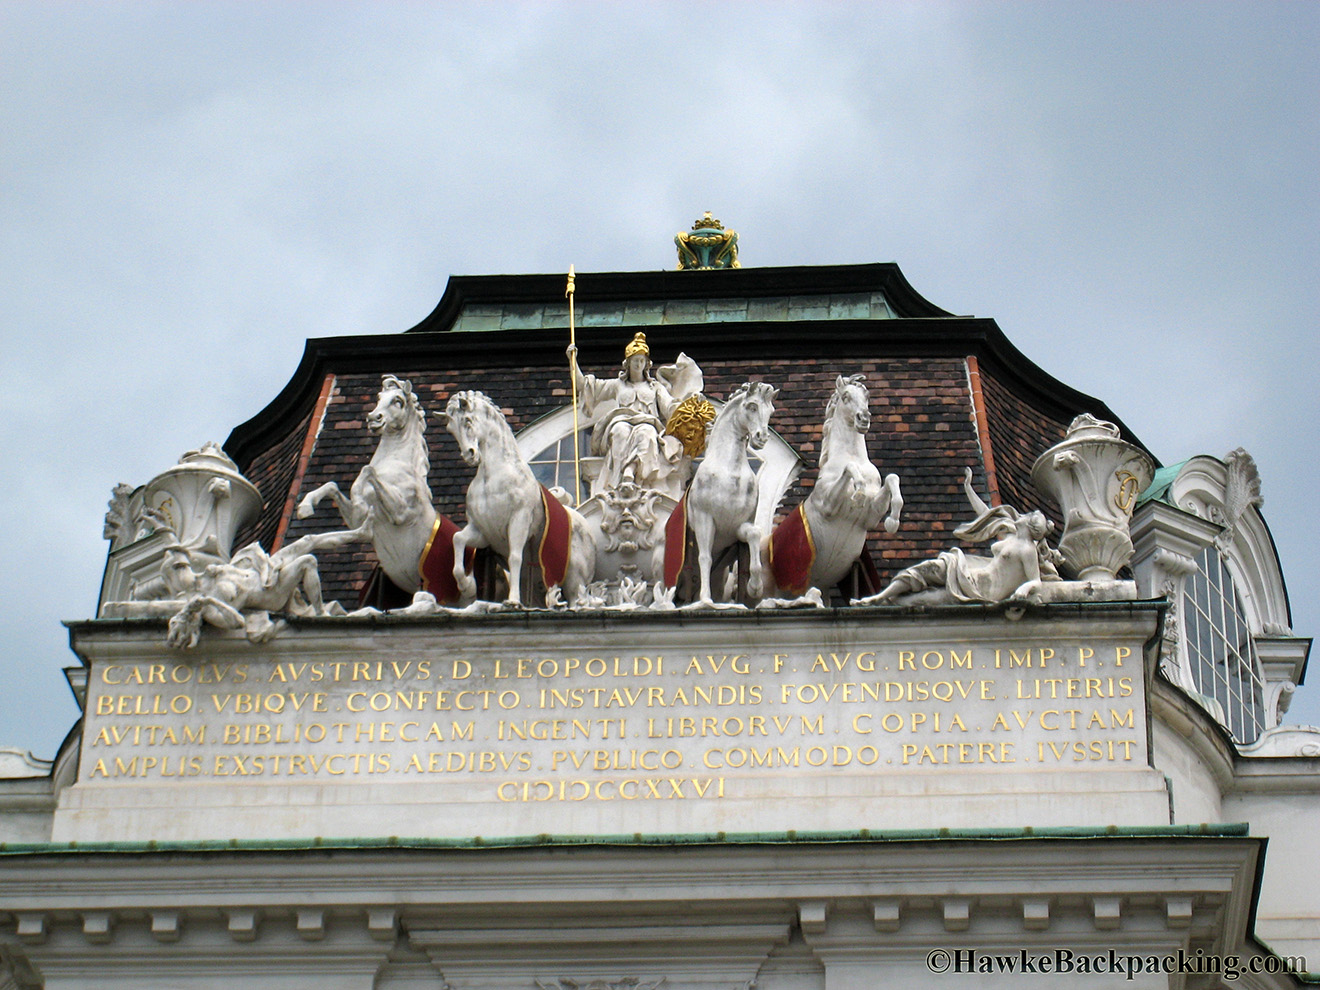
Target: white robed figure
{"x": 628, "y": 415}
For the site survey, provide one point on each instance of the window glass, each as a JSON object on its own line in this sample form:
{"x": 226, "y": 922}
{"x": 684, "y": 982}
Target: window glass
{"x": 1220, "y": 649}
{"x": 554, "y": 465}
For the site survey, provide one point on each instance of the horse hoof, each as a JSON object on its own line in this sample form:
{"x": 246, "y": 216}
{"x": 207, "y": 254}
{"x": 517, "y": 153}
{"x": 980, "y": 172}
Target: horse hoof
{"x": 891, "y": 525}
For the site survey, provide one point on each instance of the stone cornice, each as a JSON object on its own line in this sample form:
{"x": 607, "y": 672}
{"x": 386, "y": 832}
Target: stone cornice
{"x": 1209, "y": 865}
{"x": 167, "y": 909}
{"x": 110, "y": 638}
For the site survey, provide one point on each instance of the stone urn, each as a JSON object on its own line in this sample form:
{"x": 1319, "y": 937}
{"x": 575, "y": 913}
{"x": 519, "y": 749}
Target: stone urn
{"x": 1095, "y": 476}
{"x": 204, "y": 500}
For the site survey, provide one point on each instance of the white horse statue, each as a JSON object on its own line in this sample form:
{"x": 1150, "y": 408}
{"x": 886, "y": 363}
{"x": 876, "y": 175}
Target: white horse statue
{"x": 510, "y": 512}
{"x": 720, "y": 505}
{"x": 390, "y": 501}
{"x": 816, "y": 544}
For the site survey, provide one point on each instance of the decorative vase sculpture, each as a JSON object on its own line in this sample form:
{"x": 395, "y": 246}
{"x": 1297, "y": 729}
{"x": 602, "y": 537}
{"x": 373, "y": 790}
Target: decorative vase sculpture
{"x": 1095, "y": 477}
{"x": 203, "y": 500}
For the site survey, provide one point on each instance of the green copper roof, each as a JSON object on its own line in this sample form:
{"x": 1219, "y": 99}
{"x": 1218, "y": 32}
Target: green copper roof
{"x": 658, "y": 312}
{"x": 791, "y": 837}
{"x": 1158, "y": 490}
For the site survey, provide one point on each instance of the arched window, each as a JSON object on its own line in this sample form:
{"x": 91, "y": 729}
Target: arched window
{"x": 1220, "y": 649}
{"x": 553, "y": 464}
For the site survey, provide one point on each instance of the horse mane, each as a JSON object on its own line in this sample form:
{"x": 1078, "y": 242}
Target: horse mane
{"x": 421, "y": 452}
{"x": 841, "y": 385}
{"x": 745, "y": 390}
{"x": 738, "y": 396}
{"x": 483, "y": 403}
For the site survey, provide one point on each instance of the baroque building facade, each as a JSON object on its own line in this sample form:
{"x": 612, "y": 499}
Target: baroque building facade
{"x": 998, "y": 696}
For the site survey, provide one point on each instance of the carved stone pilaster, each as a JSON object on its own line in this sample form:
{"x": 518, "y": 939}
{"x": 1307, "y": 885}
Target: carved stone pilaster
{"x": 1282, "y": 661}
{"x": 1166, "y": 542}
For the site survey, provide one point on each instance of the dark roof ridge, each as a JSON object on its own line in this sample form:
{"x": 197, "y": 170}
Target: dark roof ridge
{"x": 751, "y": 283}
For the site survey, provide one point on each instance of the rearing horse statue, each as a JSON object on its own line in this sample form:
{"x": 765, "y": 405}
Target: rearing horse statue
{"x": 815, "y": 545}
{"x": 508, "y": 509}
{"x": 720, "y": 505}
{"x": 390, "y": 501}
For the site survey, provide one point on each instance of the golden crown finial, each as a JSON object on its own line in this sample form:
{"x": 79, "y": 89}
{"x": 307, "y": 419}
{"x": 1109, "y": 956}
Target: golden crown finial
{"x": 636, "y": 346}
{"x": 707, "y": 245}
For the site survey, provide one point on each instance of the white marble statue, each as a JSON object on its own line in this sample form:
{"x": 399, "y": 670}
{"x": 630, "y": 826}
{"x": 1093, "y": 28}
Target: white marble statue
{"x": 389, "y": 503}
{"x": 628, "y": 414}
{"x": 242, "y": 593}
{"x": 1020, "y": 560}
{"x": 816, "y": 544}
{"x": 192, "y": 588}
{"x": 721, "y": 502}
{"x": 510, "y": 512}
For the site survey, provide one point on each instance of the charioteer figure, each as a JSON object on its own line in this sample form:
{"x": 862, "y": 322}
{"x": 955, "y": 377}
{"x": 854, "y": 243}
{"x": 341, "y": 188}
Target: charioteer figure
{"x": 629, "y": 413}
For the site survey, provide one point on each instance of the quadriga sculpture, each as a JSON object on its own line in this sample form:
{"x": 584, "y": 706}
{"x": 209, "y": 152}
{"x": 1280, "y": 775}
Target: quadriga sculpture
{"x": 1019, "y": 561}
{"x": 816, "y": 544}
{"x": 510, "y": 512}
{"x": 390, "y": 501}
{"x": 719, "y": 508}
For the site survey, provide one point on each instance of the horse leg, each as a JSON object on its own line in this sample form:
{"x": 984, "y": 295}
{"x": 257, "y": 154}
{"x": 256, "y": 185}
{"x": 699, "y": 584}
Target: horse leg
{"x": 895, "y": 500}
{"x": 398, "y": 505}
{"x": 832, "y": 494}
{"x": 468, "y": 536}
{"x": 313, "y": 498}
{"x": 323, "y": 541}
{"x": 520, "y": 527}
{"x": 750, "y": 534}
{"x": 581, "y": 563}
{"x": 703, "y": 535}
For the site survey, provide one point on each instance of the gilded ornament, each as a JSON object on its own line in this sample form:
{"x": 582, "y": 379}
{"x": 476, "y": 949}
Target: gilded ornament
{"x": 637, "y": 346}
{"x": 706, "y": 246}
{"x": 1129, "y": 487}
{"x": 688, "y": 423}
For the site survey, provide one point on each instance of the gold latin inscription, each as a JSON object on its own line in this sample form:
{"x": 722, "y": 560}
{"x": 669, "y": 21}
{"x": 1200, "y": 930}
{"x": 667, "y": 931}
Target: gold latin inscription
{"x": 643, "y": 726}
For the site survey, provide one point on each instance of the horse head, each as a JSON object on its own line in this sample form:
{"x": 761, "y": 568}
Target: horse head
{"x": 464, "y": 416}
{"x": 850, "y": 403}
{"x": 396, "y": 408}
{"x": 755, "y": 402}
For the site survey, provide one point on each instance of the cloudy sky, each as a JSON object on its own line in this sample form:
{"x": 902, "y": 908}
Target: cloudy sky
{"x": 192, "y": 189}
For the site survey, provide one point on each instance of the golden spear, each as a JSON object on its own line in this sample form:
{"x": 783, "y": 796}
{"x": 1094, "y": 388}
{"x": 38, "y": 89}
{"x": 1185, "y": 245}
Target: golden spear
{"x": 572, "y": 374}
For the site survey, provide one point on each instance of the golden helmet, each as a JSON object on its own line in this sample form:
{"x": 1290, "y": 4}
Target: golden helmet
{"x": 636, "y": 346}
